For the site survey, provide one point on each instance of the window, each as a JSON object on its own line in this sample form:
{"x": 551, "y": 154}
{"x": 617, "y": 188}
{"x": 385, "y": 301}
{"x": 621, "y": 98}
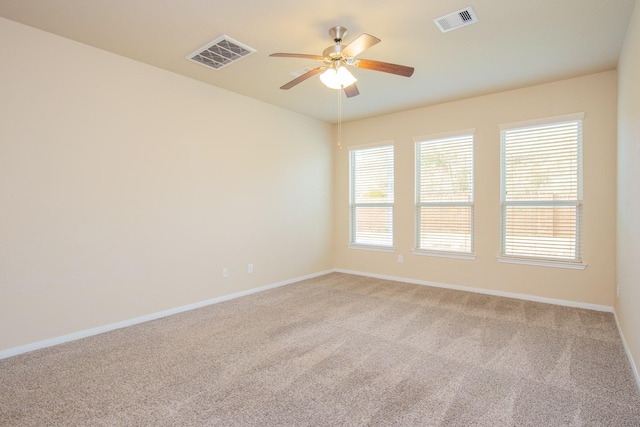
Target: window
{"x": 444, "y": 194}
{"x": 371, "y": 196}
{"x": 541, "y": 190}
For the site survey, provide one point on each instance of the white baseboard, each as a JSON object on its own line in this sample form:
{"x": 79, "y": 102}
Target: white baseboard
{"x": 484, "y": 291}
{"x": 153, "y": 316}
{"x": 634, "y": 367}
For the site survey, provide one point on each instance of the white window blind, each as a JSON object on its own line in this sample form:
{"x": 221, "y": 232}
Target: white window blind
{"x": 542, "y": 191}
{"x": 371, "y": 196}
{"x": 444, "y": 194}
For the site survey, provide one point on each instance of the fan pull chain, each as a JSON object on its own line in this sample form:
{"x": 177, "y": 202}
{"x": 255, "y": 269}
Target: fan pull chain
{"x": 339, "y": 119}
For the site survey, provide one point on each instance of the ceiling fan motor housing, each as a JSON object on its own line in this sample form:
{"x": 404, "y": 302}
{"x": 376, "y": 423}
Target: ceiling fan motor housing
{"x": 334, "y": 52}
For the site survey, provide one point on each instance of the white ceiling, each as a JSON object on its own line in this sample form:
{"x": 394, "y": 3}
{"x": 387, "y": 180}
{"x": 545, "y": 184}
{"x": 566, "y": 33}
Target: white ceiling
{"x": 515, "y": 43}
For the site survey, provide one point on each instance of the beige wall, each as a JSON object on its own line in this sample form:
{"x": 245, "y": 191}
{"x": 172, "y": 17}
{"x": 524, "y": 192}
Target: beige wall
{"x": 125, "y": 189}
{"x": 627, "y": 305}
{"x": 595, "y": 95}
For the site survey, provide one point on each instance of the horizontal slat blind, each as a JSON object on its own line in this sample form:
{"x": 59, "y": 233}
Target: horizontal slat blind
{"x": 372, "y": 225}
{"x": 542, "y": 191}
{"x": 372, "y": 196}
{"x": 444, "y": 194}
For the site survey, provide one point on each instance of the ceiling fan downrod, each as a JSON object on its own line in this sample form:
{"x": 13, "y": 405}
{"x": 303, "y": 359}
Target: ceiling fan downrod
{"x": 338, "y": 33}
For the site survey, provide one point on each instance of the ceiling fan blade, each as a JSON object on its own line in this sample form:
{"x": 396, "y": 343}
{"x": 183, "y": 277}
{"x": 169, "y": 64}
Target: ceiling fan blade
{"x": 351, "y": 90}
{"x": 298, "y": 55}
{"x": 303, "y": 77}
{"x": 386, "y": 67}
{"x": 359, "y": 45}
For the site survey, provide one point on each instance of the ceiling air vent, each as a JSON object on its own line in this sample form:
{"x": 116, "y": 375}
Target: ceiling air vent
{"x": 221, "y": 52}
{"x": 458, "y": 19}
{"x": 300, "y": 71}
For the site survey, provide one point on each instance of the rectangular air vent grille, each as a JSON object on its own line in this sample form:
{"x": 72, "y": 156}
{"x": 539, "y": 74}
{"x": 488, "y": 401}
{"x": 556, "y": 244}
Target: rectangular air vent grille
{"x": 458, "y": 19}
{"x": 300, "y": 71}
{"x": 221, "y": 52}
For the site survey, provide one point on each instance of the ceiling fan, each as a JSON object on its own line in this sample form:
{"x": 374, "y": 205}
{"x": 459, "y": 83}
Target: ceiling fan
{"x": 336, "y": 58}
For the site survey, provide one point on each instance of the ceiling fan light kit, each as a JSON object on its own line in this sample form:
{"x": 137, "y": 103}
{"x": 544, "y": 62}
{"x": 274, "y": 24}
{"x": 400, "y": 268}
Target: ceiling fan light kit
{"x": 337, "y": 79}
{"x": 334, "y": 73}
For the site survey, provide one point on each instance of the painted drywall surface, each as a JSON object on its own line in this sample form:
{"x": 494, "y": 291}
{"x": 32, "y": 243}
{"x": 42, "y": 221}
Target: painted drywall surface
{"x": 125, "y": 190}
{"x": 595, "y": 95}
{"x": 628, "y": 241}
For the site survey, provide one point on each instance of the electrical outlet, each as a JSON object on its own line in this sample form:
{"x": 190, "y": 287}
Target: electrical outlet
{"x": 225, "y": 272}
{"x": 400, "y": 259}
{"x": 250, "y": 268}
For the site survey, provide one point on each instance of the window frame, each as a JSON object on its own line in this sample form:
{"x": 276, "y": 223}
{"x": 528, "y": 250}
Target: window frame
{"x": 418, "y": 204}
{"x": 535, "y": 259}
{"x": 353, "y": 205}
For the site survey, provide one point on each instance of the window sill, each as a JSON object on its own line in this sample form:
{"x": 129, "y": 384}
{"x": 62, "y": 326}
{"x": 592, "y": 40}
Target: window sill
{"x": 455, "y": 255}
{"x": 543, "y": 263}
{"x": 371, "y": 248}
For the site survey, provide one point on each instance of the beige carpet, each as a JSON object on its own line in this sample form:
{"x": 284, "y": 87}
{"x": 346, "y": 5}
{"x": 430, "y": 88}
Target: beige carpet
{"x": 336, "y": 350}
